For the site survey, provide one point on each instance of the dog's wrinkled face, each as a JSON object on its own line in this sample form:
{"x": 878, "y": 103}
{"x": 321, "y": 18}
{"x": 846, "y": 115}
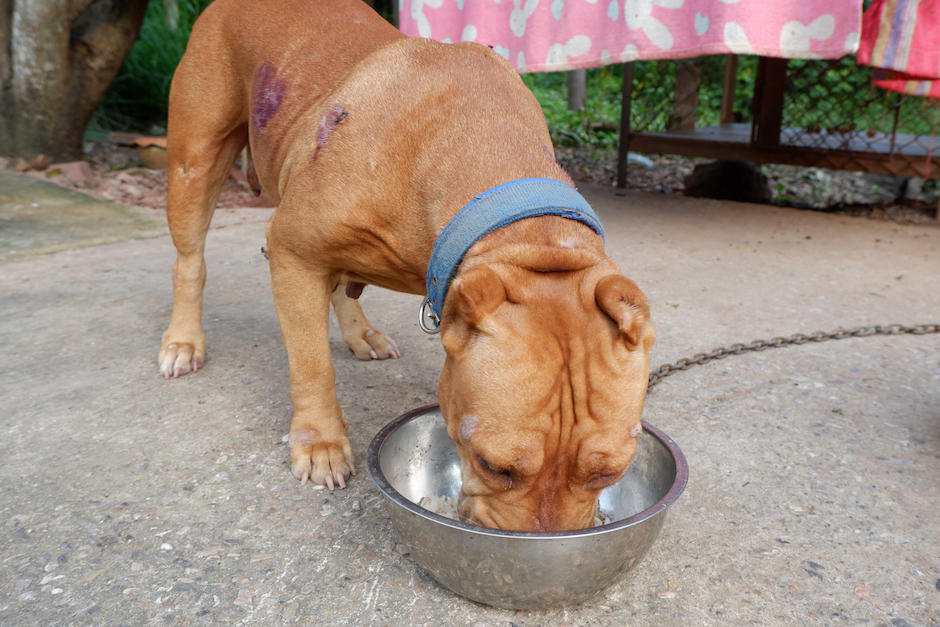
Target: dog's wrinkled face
{"x": 542, "y": 390}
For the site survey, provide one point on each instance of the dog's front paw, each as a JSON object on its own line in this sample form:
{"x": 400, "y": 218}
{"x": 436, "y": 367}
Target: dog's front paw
{"x": 371, "y": 344}
{"x": 177, "y": 358}
{"x": 324, "y": 461}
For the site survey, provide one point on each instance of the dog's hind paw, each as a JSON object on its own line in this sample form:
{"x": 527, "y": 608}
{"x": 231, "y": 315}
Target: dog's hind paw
{"x": 179, "y": 358}
{"x": 373, "y": 344}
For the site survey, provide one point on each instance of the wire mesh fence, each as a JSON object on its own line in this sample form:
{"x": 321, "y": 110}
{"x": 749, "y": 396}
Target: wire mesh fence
{"x": 662, "y": 87}
{"x": 833, "y": 105}
{"x": 828, "y": 106}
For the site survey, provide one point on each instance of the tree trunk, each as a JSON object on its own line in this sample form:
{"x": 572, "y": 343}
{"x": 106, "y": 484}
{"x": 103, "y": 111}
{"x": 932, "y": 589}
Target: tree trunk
{"x": 57, "y": 60}
{"x": 577, "y": 88}
{"x": 6, "y": 17}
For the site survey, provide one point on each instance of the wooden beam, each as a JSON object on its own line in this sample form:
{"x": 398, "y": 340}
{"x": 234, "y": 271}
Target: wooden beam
{"x": 727, "y": 89}
{"x": 626, "y": 106}
{"x": 879, "y": 163}
{"x": 768, "y": 102}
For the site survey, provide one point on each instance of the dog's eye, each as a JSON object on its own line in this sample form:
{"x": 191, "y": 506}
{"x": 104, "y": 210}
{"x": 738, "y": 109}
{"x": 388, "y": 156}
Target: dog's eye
{"x": 603, "y": 480}
{"x": 493, "y": 472}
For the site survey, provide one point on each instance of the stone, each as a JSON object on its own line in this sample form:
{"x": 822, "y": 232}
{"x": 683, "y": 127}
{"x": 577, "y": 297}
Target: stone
{"x": 728, "y": 180}
{"x": 79, "y": 173}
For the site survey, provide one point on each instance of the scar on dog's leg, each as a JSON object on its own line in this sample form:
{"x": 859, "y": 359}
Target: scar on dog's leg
{"x": 361, "y": 338}
{"x": 328, "y": 124}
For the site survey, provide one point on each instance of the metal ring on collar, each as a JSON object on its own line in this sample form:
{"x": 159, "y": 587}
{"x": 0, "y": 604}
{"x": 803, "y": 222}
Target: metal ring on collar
{"x": 427, "y": 320}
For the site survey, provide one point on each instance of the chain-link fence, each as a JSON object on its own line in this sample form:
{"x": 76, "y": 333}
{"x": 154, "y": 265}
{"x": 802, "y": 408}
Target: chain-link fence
{"x": 833, "y": 105}
{"x": 660, "y": 87}
{"x": 832, "y": 116}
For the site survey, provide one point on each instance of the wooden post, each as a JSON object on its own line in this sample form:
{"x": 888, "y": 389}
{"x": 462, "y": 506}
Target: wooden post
{"x": 727, "y": 90}
{"x": 626, "y": 105}
{"x": 768, "y": 102}
{"x": 577, "y": 88}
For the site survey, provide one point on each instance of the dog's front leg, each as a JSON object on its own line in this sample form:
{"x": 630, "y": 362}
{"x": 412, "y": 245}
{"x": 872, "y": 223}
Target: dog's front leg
{"x": 319, "y": 448}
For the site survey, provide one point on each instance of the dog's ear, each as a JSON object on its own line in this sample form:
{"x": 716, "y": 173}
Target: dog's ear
{"x": 474, "y": 295}
{"x": 477, "y": 294}
{"x": 622, "y": 300}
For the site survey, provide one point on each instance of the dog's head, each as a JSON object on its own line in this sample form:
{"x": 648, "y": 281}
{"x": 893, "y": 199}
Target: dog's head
{"x": 542, "y": 389}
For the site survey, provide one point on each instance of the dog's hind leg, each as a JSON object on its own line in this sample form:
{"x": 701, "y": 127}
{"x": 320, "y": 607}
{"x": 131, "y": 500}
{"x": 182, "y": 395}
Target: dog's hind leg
{"x": 360, "y": 336}
{"x": 205, "y": 135}
{"x": 191, "y": 199}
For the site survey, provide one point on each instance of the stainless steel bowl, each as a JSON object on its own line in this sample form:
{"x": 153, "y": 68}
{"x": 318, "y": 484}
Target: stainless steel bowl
{"x": 413, "y": 457}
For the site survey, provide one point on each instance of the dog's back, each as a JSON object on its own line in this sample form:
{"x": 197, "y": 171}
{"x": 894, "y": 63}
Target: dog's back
{"x": 290, "y": 46}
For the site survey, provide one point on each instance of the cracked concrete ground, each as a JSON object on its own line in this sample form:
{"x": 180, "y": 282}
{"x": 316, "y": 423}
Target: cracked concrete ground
{"x": 127, "y": 499}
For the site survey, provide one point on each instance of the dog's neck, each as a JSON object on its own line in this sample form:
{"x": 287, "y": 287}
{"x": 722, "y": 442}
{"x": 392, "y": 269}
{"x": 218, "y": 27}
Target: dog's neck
{"x": 544, "y": 244}
{"x": 494, "y": 210}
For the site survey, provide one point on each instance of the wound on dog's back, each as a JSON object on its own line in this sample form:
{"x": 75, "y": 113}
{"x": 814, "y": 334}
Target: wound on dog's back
{"x": 328, "y": 124}
{"x": 269, "y": 92}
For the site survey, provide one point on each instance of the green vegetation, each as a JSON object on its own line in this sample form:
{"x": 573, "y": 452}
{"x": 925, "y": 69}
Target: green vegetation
{"x": 598, "y": 123}
{"x": 835, "y": 96}
{"x": 654, "y": 82}
{"x": 138, "y": 98}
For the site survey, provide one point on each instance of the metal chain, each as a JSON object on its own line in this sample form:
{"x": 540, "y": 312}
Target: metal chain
{"x": 759, "y": 345}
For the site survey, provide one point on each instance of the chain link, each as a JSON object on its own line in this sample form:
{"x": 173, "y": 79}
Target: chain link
{"x": 778, "y": 342}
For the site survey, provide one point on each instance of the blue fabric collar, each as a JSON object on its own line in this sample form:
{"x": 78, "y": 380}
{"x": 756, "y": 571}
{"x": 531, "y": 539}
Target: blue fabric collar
{"x": 491, "y": 210}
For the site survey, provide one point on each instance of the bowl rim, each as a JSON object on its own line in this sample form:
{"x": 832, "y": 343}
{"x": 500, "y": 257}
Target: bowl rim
{"x": 393, "y": 495}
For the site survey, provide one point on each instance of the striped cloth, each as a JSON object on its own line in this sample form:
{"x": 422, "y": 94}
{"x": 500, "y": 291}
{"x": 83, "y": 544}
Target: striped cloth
{"x": 901, "y": 38}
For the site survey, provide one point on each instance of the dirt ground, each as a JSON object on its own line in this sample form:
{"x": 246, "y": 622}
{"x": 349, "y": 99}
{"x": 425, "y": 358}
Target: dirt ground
{"x": 113, "y": 171}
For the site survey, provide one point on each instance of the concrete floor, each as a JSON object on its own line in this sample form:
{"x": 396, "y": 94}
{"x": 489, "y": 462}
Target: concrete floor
{"x": 126, "y": 499}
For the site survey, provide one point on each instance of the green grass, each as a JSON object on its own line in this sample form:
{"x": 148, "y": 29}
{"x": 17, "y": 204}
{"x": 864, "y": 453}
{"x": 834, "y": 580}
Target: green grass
{"x": 138, "y": 97}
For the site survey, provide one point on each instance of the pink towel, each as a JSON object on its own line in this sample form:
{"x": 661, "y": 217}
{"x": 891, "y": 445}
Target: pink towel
{"x": 902, "y": 39}
{"x": 554, "y": 35}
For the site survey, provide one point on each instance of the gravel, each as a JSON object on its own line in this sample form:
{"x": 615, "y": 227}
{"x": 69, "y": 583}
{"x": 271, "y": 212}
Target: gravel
{"x": 860, "y": 194}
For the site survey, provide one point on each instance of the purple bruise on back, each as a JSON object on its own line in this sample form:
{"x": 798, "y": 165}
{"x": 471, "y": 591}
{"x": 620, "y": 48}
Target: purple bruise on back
{"x": 268, "y": 95}
{"x": 329, "y": 122}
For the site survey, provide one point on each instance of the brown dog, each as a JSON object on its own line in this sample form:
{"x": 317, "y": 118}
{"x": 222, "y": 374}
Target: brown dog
{"x": 369, "y": 143}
